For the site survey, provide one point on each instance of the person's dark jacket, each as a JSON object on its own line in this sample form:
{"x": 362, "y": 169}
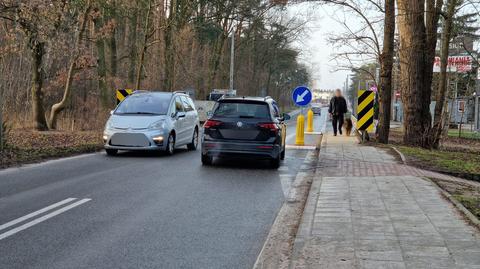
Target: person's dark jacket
{"x": 338, "y": 105}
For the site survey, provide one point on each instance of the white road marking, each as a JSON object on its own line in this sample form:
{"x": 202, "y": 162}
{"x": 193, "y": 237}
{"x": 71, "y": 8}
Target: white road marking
{"x": 33, "y": 214}
{"x": 43, "y": 218}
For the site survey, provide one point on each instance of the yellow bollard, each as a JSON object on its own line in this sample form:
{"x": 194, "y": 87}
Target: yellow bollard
{"x": 310, "y": 121}
{"x": 300, "y": 138}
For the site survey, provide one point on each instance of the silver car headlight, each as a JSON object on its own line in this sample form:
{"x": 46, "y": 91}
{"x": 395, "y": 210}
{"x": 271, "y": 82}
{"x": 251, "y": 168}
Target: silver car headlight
{"x": 157, "y": 125}
{"x": 109, "y": 125}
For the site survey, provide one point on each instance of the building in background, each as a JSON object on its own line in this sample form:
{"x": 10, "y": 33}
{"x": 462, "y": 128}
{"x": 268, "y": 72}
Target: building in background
{"x": 322, "y": 96}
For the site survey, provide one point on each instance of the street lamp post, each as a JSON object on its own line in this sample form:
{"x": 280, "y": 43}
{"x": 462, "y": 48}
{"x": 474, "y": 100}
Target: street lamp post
{"x": 232, "y": 60}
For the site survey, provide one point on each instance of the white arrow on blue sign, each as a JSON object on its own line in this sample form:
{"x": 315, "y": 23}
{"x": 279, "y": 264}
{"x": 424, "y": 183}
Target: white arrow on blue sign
{"x": 302, "y": 96}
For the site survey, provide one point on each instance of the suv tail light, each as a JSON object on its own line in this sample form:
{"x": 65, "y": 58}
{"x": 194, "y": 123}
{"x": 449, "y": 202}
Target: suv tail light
{"x": 268, "y": 125}
{"x": 212, "y": 123}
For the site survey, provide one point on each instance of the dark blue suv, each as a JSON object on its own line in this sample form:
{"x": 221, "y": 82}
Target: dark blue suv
{"x": 245, "y": 126}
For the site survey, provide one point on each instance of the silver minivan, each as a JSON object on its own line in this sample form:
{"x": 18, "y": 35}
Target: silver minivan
{"x": 152, "y": 121}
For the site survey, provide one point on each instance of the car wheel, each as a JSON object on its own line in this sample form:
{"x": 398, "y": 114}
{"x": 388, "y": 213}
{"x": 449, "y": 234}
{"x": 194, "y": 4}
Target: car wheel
{"x": 170, "y": 144}
{"x": 275, "y": 162}
{"x": 194, "y": 144}
{"x": 207, "y": 160}
{"x": 282, "y": 155}
{"x": 111, "y": 152}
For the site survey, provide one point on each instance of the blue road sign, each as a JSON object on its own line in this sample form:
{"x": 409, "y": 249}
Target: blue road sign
{"x": 302, "y": 96}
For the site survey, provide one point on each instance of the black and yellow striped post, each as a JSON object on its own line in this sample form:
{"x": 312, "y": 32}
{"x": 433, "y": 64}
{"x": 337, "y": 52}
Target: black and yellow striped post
{"x": 122, "y": 94}
{"x": 365, "y": 112}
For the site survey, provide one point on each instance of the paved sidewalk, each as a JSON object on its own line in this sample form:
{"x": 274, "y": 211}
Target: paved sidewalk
{"x": 365, "y": 210}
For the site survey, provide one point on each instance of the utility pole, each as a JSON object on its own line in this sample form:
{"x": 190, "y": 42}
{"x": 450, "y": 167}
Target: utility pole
{"x": 232, "y": 60}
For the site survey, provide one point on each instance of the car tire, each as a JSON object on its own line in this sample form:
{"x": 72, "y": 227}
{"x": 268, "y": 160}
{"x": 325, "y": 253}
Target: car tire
{"x": 170, "y": 150}
{"x": 194, "y": 144}
{"x": 111, "y": 152}
{"x": 275, "y": 162}
{"x": 282, "y": 155}
{"x": 207, "y": 160}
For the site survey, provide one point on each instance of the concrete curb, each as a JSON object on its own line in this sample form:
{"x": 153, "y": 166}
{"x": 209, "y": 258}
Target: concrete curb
{"x": 404, "y": 160}
{"x": 465, "y": 212}
{"x": 278, "y": 246}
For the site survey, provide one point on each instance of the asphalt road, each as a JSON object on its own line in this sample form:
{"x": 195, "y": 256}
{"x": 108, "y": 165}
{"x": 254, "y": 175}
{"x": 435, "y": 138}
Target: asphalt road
{"x": 141, "y": 210}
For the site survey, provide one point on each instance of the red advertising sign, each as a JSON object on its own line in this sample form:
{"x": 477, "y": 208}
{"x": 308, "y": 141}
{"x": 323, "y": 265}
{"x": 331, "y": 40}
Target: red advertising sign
{"x": 456, "y": 64}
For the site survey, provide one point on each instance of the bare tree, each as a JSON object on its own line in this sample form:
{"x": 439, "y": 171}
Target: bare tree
{"x": 417, "y": 24}
{"x": 365, "y": 43}
{"x": 439, "y": 116}
{"x": 386, "y": 67}
{"x": 58, "y": 107}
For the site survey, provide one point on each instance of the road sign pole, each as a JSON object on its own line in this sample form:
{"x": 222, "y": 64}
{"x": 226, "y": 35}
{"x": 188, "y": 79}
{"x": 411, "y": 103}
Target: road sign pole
{"x": 477, "y": 114}
{"x": 301, "y": 96}
{"x": 477, "y": 104}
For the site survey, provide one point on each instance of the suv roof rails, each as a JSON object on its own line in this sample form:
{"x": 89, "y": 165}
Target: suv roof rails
{"x": 184, "y": 92}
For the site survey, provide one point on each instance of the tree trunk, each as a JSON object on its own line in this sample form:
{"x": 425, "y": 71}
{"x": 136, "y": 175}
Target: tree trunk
{"x": 101, "y": 64}
{"x": 417, "y": 53}
{"x": 169, "y": 58}
{"x": 170, "y": 27}
{"x": 132, "y": 57}
{"x": 37, "y": 51}
{"x": 385, "y": 92}
{"x": 442, "y": 89}
{"x": 141, "y": 57}
{"x": 215, "y": 61}
{"x": 60, "y": 106}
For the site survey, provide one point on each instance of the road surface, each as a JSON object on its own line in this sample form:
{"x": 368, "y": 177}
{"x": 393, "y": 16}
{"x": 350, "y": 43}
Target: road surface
{"x": 141, "y": 210}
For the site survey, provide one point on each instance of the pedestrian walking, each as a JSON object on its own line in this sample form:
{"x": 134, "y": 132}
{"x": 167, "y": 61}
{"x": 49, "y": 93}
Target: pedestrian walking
{"x": 337, "y": 110}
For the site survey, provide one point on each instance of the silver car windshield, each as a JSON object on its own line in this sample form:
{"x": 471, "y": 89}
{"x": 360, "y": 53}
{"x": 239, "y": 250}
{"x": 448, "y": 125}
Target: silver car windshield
{"x": 145, "y": 104}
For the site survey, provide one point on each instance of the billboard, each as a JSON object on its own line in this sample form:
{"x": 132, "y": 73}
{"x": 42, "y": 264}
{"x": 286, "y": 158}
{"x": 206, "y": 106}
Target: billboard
{"x": 456, "y": 64}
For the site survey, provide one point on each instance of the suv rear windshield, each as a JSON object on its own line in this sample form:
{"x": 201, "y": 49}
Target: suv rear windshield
{"x": 147, "y": 104}
{"x": 242, "y": 110}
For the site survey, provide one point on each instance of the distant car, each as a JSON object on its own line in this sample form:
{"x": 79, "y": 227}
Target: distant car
{"x": 152, "y": 121}
{"x": 316, "y": 109}
{"x": 245, "y": 126}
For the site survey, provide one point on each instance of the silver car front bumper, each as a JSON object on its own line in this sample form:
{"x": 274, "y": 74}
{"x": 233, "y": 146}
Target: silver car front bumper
{"x": 135, "y": 140}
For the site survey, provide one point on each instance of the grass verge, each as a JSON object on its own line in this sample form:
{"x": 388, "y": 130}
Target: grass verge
{"x": 466, "y": 194}
{"x": 442, "y": 160}
{"x": 465, "y": 134}
{"x": 25, "y": 146}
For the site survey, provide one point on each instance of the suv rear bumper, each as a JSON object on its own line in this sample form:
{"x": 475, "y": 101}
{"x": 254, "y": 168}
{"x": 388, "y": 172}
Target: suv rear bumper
{"x": 225, "y": 149}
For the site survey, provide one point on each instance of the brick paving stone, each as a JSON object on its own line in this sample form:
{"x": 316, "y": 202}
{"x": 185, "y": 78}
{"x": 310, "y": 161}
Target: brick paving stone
{"x": 366, "y": 210}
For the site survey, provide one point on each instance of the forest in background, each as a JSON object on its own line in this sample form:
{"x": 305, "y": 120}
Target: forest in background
{"x": 61, "y": 61}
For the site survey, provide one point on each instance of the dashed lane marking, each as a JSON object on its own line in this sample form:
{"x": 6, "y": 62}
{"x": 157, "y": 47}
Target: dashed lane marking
{"x": 42, "y": 218}
{"x": 36, "y": 213}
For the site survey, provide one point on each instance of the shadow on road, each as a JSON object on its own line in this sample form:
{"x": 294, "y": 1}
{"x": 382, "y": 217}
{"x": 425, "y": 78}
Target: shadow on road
{"x": 148, "y": 154}
{"x": 241, "y": 163}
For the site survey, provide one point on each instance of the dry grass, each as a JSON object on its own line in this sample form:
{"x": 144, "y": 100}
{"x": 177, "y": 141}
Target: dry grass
{"x": 26, "y": 146}
{"x": 466, "y": 194}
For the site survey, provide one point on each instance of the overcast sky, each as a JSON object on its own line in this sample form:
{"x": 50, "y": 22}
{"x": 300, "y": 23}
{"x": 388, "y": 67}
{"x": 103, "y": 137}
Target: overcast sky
{"x": 316, "y": 52}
